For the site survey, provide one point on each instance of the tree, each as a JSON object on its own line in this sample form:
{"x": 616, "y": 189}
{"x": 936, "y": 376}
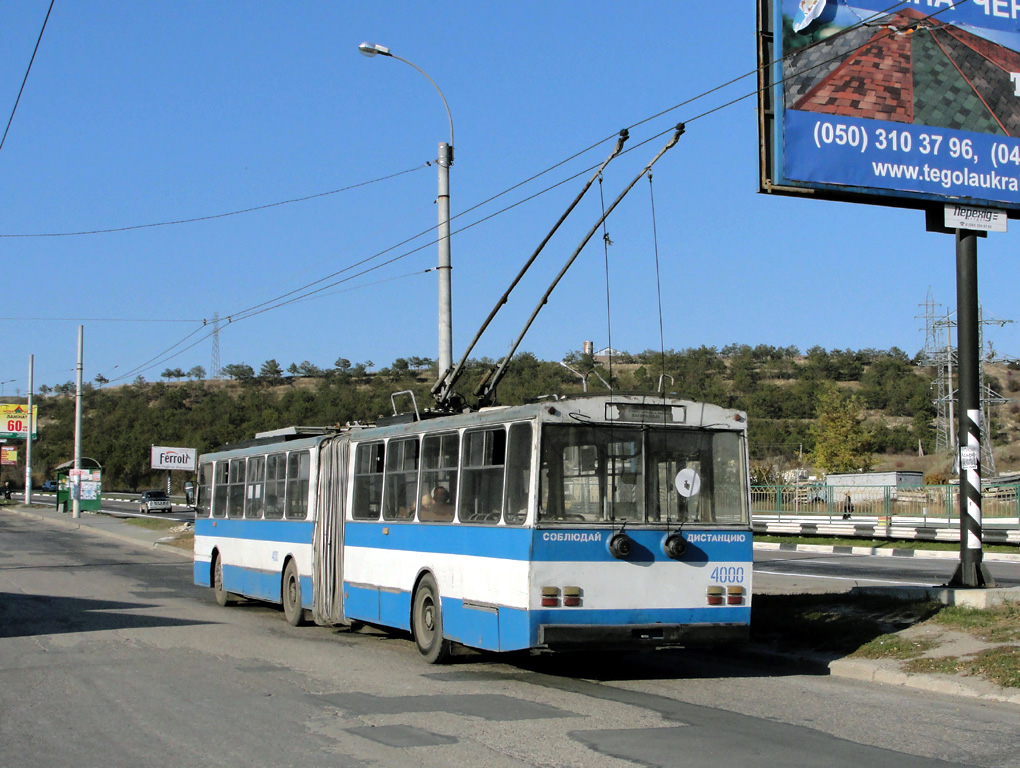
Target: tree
{"x": 100, "y": 380}
{"x": 842, "y": 444}
{"x": 197, "y": 372}
{"x": 173, "y": 373}
{"x": 271, "y": 372}
{"x": 305, "y": 369}
{"x": 239, "y": 371}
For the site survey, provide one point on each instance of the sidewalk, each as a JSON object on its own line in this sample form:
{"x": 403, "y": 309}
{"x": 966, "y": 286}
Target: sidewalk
{"x": 112, "y": 527}
{"x": 868, "y": 670}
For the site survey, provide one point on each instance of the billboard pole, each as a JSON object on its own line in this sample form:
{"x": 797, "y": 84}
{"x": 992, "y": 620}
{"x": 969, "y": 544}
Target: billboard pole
{"x": 971, "y": 572}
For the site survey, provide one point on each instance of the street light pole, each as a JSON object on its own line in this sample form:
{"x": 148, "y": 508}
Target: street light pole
{"x": 445, "y": 160}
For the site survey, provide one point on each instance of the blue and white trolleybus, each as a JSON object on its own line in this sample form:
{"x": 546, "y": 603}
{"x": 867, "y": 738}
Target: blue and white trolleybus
{"x": 593, "y": 522}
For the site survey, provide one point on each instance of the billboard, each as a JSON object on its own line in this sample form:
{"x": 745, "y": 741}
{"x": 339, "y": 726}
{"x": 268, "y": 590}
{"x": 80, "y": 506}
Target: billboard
{"x": 14, "y": 420}
{"x": 173, "y": 458}
{"x": 914, "y": 104}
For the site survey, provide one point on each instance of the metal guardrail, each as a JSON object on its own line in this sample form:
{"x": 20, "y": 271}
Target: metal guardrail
{"x": 886, "y": 501}
{"x": 883, "y": 511}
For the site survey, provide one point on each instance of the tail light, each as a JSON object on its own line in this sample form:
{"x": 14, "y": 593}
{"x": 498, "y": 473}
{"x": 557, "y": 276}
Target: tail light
{"x": 550, "y": 597}
{"x": 571, "y": 596}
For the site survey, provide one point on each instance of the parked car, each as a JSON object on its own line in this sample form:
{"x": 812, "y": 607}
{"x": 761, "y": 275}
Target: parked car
{"x": 50, "y": 485}
{"x": 158, "y": 500}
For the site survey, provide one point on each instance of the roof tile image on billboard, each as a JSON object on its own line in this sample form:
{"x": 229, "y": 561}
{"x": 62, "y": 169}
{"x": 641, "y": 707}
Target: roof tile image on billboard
{"x": 921, "y": 103}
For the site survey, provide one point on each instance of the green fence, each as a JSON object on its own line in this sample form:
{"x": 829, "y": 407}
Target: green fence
{"x": 923, "y": 501}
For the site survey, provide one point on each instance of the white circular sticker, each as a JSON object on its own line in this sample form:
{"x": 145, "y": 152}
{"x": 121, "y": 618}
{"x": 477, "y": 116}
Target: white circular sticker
{"x": 688, "y": 482}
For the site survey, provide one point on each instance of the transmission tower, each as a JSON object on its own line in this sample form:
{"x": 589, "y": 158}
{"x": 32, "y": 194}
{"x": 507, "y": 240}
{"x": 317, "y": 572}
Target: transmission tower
{"x": 214, "y": 372}
{"x": 940, "y": 354}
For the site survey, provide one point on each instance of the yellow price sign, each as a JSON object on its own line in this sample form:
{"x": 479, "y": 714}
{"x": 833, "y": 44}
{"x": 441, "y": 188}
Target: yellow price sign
{"x": 14, "y": 420}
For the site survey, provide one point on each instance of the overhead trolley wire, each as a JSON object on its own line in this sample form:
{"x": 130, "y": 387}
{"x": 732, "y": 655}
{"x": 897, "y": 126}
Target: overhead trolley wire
{"x": 291, "y": 297}
{"x": 25, "y": 79}
{"x": 548, "y": 170}
{"x": 213, "y": 216}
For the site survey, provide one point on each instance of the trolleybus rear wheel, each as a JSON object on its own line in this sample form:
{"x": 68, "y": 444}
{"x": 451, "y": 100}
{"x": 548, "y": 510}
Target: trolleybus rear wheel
{"x": 292, "y": 596}
{"x": 427, "y": 622}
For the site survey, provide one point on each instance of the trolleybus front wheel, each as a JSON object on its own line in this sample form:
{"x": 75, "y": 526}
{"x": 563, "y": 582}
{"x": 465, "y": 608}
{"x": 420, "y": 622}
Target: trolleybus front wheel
{"x": 427, "y": 622}
{"x": 222, "y": 596}
{"x": 292, "y": 609}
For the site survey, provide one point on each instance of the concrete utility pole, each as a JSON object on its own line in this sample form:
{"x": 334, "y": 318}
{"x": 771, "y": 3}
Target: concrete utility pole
{"x": 31, "y": 425}
{"x": 76, "y": 494}
{"x": 445, "y": 160}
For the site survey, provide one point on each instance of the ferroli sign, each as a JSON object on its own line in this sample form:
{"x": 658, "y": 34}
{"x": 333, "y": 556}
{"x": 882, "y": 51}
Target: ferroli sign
{"x": 164, "y": 457}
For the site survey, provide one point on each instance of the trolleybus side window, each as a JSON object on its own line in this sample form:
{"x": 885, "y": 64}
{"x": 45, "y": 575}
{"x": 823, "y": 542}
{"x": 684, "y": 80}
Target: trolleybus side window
{"x": 298, "y": 465}
{"x": 256, "y": 479}
{"x": 220, "y": 489}
{"x": 729, "y": 482}
{"x": 235, "y": 494}
{"x": 368, "y": 480}
{"x": 276, "y": 485}
{"x": 401, "y": 495}
{"x": 439, "y": 476}
{"x": 203, "y": 501}
{"x": 481, "y": 493}
{"x": 518, "y": 474}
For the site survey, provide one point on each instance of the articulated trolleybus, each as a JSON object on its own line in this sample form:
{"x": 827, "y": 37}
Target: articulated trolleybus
{"x": 593, "y": 522}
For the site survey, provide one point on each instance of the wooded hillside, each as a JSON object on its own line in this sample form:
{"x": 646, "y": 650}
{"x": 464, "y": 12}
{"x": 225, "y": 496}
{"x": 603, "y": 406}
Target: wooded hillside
{"x": 780, "y": 389}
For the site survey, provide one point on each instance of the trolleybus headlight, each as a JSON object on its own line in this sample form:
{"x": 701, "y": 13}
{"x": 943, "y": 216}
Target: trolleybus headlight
{"x": 674, "y": 545}
{"x": 620, "y": 545}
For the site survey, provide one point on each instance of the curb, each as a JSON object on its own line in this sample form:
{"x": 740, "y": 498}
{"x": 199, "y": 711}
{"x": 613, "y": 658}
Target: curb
{"x": 854, "y": 669}
{"x": 991, "y": 557}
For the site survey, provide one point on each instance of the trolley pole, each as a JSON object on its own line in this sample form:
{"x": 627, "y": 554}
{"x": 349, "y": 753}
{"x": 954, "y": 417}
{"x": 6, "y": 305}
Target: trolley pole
{"x": 971, "y": 572}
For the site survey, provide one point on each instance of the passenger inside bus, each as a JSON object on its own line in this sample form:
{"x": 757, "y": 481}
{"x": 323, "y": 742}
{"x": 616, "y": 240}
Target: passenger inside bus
{"x": 439, "y": 508}
{"x": 422, "y": 508}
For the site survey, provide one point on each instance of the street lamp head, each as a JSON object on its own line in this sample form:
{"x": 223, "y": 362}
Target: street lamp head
{"x": 371, "y": 49}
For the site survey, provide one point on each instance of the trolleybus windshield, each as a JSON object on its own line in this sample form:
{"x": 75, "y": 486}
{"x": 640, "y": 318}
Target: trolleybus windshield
{"x": 601, "y": 473}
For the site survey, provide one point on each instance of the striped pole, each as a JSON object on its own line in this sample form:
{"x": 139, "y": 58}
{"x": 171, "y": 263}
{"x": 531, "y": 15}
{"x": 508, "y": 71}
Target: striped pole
{"x": 971, "y": 572}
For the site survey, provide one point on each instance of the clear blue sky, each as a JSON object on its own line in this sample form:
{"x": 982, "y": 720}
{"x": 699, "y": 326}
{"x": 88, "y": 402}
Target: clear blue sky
{"x": 141, "y": 112}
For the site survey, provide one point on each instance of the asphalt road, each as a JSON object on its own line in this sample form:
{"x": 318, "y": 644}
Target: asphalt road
{"x": 110, "y": 656}
{"x": 120, "y": 507}
{"x": 783, "y": 572}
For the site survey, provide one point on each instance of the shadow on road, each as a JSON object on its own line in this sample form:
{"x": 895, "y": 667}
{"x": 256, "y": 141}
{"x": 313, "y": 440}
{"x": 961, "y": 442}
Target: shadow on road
{"x": 29, "y": 615}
